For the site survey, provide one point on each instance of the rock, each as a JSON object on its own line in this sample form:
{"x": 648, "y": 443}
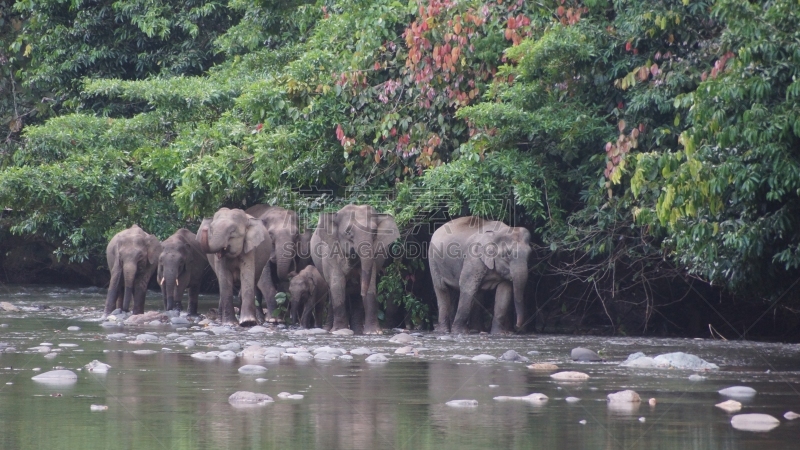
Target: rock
{"x": 51, "y": 355}
{"x": 343, "y": 332}
{"x": 642, "y": 362}
{"x": 569, "y": 376}
{"x": 404, "y": 350}
{"x": 324, "y": 356}
{"x": 146, "y": 338}
{"x": 680, "y": 360}
{"x": 98, "y": 408}
{"x": 642, "y": 419}
{"x": 110, "y": 324}
{"x": 56, "y": 376}
{"x": 302, "y": 356}
{"x": 73, "y": 328}
{"x": 199, "y": 333}
{"x": 117, "y": 336}
{"x": 188, "y": 343}
{"x": 533, "y": 398}
{"x": 754, "y": 422}
{"x": 233, "y": 346}
{"x": 9, "y": 350}
{"x": 140, "y": 319}
{"x": 41, "y": 349}
{"x": 172, "y": 313}
{"x": 626, "y": 396}
{"x": 483, "y": 358}
{"x": 205, "y": 321}
{"x": 346, "y": 357}
{"x": 361, "y": 351}
{"x": 221, "y": 330}
{"x": 254, "y": 352}
{"x": 730, "y": 406}
{"x": 335, "y": 351}
{"x": 462, "y": 403}
{"x": 572, "y": 399}
{"x": 144, "y": 352}
{"x": 203, "y": 355}
{"x": 696, "y": 377}
{"x": 295, "y": 397}
{"x": 511, "y": 355}
{"x": 261, "y": 380}
{"x": 401, "y": 338}
{"x": 246, "y": 398}
{"x": 310, "y": 331}
{"x": 738, "y": 391}
{"x": 284, "y": 395}
{"x": 582, "y": 422}
{"x": 791, "y": 415}
{"x": 227, "y": 354}
{"x": 377, "y": 358}
{"x": 460, "y": 357}
{"x": 633, "y": 356}
{"x": 97, "y": 367}
{"x": 179, "y": 321}
{"x": 5, "y": 306}
{"x": 652, "y": 402}
{"x": 3, "y": 325}
{"x": 543, "y": 366}
{"x": 250, "y": 369}
{"x": 295, "y": 350}
{"x": 584, "y": 355}
{"x": 257, "y": 329}
{"x": 154, "y": 323}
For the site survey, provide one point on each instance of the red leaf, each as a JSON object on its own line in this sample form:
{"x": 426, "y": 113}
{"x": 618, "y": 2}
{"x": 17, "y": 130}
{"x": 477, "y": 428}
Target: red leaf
{"x": 628, "y": 46}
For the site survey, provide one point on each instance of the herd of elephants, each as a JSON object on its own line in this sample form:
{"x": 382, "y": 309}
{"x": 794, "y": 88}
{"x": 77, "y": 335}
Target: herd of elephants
{"x": 330, "y": 272}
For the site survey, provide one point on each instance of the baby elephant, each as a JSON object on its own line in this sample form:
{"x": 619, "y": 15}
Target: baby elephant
{"x": 309, "y": 294}
{"x": 181, "y": 265}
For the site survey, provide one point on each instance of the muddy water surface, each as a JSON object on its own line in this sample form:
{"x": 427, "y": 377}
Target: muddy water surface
{"x": 169, "y": 400}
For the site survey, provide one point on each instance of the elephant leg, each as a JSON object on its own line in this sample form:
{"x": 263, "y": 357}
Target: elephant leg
{"x": 371, "y": 325}
{"x": 194, "y": 294}
{"x": 501, "y": 322}
{"x": 444, "y": 303}
{"x": 139, "y": 293}
{"x": 268, "y": 291}
{"x": 469, "y": 289}
{"x": 113, "y": 296}
{"x": 179, "y": 297}
{"x": 319, "y": 311}
{"x": 247, "y": 313}
{"x": 338, "y": 302}
{"x": 476, "y": 315}
{"x": 306, "y": 316}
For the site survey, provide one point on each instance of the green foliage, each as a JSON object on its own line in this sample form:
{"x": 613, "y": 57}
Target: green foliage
{"x": 394, "y": 285}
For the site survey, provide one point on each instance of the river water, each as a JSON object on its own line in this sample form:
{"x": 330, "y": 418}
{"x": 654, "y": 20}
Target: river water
{"x": 169, "y": 400}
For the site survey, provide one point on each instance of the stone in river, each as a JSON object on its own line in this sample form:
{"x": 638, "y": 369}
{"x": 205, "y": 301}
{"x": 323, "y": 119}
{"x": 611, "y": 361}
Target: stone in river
{"x": 569, "y": 376}
{"x": 584, "y": 354}
{"x": 250, "y": 369}
{"x": 462, "y": 403}
{"x": 56, "y": 376}
{"x": 543, "y": 366}
{"x": 343, "y": 332}
{"x": 532, "y": 398}
{"x": 227, "y": 354}
{"x": 738, "y": 391}
{"x": 401, "y": 338}
{"x": 361, "y": 351}
{"x": 144, "y": 352}
{"x": 483, "y": 358}
{"x": 626, "y": 396}
{"x": 791, "y": 415}
{"x": 377, "y": 358}
{"x": 511, "y": 355}
{"x": 754, "y": 422}
{"x": 246, "y": 398}
{"x": 146, "y": 338}
{"x": 73, "y": 328}
{"x": 730, "y": 406}
{"x": 97, "y": 367}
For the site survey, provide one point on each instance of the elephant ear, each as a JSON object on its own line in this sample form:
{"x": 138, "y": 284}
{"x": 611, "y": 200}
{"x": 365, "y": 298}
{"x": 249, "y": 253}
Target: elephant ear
{"x": 256, "y": 233}
{"x": 153, "y": 249}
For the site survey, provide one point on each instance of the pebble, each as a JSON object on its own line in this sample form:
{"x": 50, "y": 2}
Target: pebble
{"x": 261, "y": 380}
{"x": 203, "y": 355}
{"x": 188, "y": 343}
{"x": 343, "y": 332}
{"x": 652, "y": 402}
{"x": 51, "y": 355}
{"x": 117, "y": 336}
{"x": 199, "y": 333}
{"x": 257, "y": 329}
{"x": 401, "y": 338}
{"x": 73, "y": 328}
{"x": 57, "y": 376}
{"x": 696, "y": 377}
{"x": 325, "y": 356}
{"x": 483, "y": 358}
{"x": 462, "y": 403}
{"x": 626, "y": 396}
{"x": 511, "y": 355}
{"x": 572, "y": 399}
{"x": 532, "y": 398}
{"x": 233, "y": 346}
{"x": 146, "y": 338}
{"x": 582, "y": 422}
{"x": 404, "y": 350}
{"x": 361, "y": 351}
{"x": 98, "y": 407}
{"x": 543, "y": 366}
{"x": 67, "y": 345}
{"x": 227, "y": 354}
{"x": 569, "y": 376}
{"x": 346, "y": 357}
{"x": 250, "y": 369}
{"x": 97, "y": 367}
{"x": 791, "y": 415}
{"x": 642, "y": 419}
{"x": 179, "y": 321}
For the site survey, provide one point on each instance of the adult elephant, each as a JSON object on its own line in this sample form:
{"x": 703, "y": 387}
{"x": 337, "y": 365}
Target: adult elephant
{"x": 241, "y": 247}
{"x": 132, "y": 255}
{"x": 283, "y": 229}
{"x": 353, "y": 242}
{"x": 181, "y": 265}
{"x": 470, "y": 254}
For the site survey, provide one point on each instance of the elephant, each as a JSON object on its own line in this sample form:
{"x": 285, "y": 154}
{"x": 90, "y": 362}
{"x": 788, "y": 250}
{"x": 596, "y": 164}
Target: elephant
{"x": 132, "y": 255}
{"x": 241, "y": 247}
{"x": 181, "y": 265}
{"x": 308, "y": 294}
{"x": 353, "y": 242}
{"x": 468, "y": 255}
{"x": 282, "y": 226}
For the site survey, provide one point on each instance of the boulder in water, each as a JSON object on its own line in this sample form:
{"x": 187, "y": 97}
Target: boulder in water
{"x": 754, "y": 422}
{"x": 532, "y": 398}
{"x": 343, "y": 332}
{"x": 584, "y": 355}
{"x": 251, "y": 369}
{"x": 221, "y": 330}
{"x": 227, "y": 354}
{"x": 730, "y": 406}
{"x": 57, "y": 377}
{"x": 626, "y": 396}
{"x": 146, "y": 338}
{"x": 680, "y": 360}
{"x": 483, "y": 358}
{"x": 402, "y": 338}
{"x": 246, "y": 398}
{"x": 97, "y": 367}
{"x": 738, "y": 391}
{"x": 5, "y": 306}
{"x": 511, "y": 355}
{"x": 791, "y": 415}
{"x": 144, "y": 352}
{"x": 569, "y": 376}
{"x": 377, "y": 358}
{"x": 543, "y": 366}
{"x": 462, "y": 403}
{"x": 361, "y": 351}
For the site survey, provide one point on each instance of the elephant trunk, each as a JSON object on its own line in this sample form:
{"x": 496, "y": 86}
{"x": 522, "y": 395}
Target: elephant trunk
{"x": 366, "y": 275}
{"x": 520, "y": 279}
{"x": 294, "y": 309}
{"x": 170, "y": 286}
{"x": 284, "y": 257}
{"x": 203, "y": 238}
{"x": 129, "y": 275}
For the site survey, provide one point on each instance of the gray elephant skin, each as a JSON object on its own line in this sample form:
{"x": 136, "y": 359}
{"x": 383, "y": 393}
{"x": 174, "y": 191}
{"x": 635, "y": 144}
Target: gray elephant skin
{"x": 468, "y": 255}
{"x": 353, "y": 242}
{"x": 239, "y": 247}
{"x": 283, "y": 229}
{"x": 181, "y": 266}
{"x": 308, "y": 297}
{"x": 132, "y": 255}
